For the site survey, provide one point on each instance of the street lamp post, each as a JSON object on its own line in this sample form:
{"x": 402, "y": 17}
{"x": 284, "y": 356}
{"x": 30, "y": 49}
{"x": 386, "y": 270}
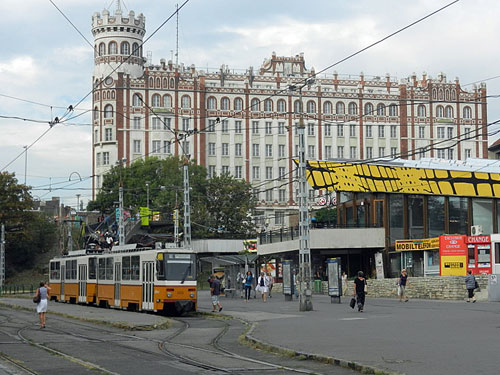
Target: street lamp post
{"x": 147, "y": 195}
{"x": 77, "y": 202}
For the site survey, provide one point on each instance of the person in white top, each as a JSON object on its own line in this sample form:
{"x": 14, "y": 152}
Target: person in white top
{"x": 263, "y": 285}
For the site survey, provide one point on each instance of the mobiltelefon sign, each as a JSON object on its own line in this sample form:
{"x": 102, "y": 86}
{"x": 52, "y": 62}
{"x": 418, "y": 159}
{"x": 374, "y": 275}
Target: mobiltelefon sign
{"x": 415, "y": 245}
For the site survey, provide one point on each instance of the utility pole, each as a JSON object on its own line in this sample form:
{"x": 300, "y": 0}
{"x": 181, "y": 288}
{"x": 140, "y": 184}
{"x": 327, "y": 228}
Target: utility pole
{"x": 305, "y": 291}
{"x": 2, "y": 256}
{"x": 187, "y": 206}
{"x": 70, "y": 235}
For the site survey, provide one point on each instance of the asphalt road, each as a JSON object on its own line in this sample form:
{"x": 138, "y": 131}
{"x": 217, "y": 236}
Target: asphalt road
{"x": 417, "y": 337}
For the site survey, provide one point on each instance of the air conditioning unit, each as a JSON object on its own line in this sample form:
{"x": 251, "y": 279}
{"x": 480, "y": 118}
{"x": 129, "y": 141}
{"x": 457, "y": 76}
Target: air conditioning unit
{"x": 476, "y": 230}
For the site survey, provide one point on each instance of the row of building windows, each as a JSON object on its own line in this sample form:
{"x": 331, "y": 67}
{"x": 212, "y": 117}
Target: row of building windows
{"x": 166, "y": 102}
{"x": 112, "y": 49}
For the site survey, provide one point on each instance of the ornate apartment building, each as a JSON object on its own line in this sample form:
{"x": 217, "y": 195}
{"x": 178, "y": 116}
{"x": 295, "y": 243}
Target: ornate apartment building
{"x": 244, "y": 123}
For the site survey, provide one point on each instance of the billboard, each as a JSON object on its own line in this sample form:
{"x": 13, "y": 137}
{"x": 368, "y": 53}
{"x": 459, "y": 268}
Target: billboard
{"x": 416, "y": 245}
{"x": 453, "y": 255}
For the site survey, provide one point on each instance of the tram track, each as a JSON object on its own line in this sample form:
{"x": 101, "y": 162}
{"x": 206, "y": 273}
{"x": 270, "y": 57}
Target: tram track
{"x": 188, "y": 353}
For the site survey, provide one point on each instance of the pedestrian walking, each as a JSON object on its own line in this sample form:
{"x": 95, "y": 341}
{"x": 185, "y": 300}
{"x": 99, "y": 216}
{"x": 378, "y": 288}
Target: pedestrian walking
{"x": 344, "y": 283}
{"x": 215, "y": 289}
{"x": 360, "y": 290}
{"x": 248, "y": 285}
{"x": 270, "y": 282}
{"x": 402, "y": 284}
{"x": 470, "y": 284}
{"x": 42, "y": 293}
{"x": 263, "y": 286}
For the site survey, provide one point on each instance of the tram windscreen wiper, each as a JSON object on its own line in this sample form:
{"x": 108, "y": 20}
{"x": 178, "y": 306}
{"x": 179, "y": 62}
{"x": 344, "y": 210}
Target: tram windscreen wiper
{"x": 186, "y": 273}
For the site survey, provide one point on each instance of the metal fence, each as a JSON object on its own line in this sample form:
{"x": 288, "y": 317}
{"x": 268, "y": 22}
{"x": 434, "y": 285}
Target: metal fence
{"x": 17, "y": 289}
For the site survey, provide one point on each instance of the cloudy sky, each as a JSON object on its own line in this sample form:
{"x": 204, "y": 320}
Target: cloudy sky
{"x": 45, "y": 65}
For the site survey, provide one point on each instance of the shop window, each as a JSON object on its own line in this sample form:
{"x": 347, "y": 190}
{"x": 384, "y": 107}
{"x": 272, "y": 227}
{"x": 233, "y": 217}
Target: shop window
{"x": 396, "y": 217}
{"x": 435, "y": 216}
{"x": 481, "y": 214}
{"x": 415, "y": 217}
{"x": 457, "y": 213}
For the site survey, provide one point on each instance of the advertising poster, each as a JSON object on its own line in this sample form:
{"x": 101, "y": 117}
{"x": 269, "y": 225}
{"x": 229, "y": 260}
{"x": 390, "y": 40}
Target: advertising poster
{"x": 453, "y": 255}
{"x": 334, "y": 284}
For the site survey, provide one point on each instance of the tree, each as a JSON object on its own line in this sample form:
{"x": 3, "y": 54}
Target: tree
{"x": 28, "y": 233}
{"x": 326, "y": 216}
{"x": 209, "y": 198}
{"x": 229, "y": 202}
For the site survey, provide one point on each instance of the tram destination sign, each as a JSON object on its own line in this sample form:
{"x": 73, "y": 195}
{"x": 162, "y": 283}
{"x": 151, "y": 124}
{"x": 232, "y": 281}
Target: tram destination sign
{"x": 417, "y": 245}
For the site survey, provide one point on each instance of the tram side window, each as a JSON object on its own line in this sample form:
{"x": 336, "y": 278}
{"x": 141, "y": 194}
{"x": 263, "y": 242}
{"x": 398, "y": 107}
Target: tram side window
{"x": 71, "y": 269}
{"x": 92, "y": 268}
{"x": 134, "y": 263}
{"x": 109, "y": 268}
{"x": 55, "y": 270}
{"x": 497, "y": 253}
{"x": 126, "y": 268}
{"x": 102, "y": 269}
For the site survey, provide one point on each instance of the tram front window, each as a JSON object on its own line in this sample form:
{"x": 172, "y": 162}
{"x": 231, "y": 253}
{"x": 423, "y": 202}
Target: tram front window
{"x": 176, "y": 267}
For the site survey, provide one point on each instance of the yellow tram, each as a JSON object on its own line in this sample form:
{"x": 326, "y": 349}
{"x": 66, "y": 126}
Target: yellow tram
{"x": 127, "y": 277}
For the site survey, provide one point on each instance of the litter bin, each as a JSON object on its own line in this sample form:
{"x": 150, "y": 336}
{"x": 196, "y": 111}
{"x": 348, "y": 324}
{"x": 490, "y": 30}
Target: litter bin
{"x": 317, "y": 286}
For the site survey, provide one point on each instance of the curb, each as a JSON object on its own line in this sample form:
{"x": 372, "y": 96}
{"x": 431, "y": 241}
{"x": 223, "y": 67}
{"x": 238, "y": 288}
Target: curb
{"x": 353, "y": 365}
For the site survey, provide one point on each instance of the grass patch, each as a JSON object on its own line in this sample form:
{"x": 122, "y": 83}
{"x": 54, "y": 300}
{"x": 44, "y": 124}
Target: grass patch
{"x": 120, "y": 325}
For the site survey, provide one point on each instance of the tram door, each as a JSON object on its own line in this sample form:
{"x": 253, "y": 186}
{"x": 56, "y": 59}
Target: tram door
{"x": 147, "y": 285}
{"x": 82, "y": 283}
{"x": 118, "y": 276}
{"x": 63, "y": 278}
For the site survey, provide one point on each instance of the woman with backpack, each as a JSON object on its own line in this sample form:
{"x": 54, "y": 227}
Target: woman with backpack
{"x": 263, "y": 285}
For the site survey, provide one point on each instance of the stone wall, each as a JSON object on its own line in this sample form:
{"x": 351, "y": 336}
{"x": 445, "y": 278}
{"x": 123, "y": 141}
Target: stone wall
{"x": 435, "y": 287}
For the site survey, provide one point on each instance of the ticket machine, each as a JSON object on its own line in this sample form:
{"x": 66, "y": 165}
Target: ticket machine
{"x": 479, "y": 255}
{"x": 495, "y": 253}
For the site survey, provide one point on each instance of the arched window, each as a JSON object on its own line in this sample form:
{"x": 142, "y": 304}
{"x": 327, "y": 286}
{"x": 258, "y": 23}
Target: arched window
{"x": 268, "y": 105}
{"x": 164, "y": 83}
{"x": 96, "y": 113}
{"x": 369, "y": 109}
{"x": 158, "y": 82}
{"x": 327, "y": 108}
{"x": 135, "y": 50}
{"x": 439, "y": 111}
{"x": 224, "y": 104}
{"x": 254, "y": 105}
{"x": 467, "y": 112}
{"x": 167, "y": 101}
{"x": 421, "y": 112}
{"x": 448, "y": 111}
{"x": 136, "y": 100}
{"x": 447, "y": 95}
{"x": 186, "y": 102}
{"x": 113, "y": 48}
{"x": 311, "y": 106}
{"x": 108, "y": 111}
{"x": 281, "y": 106}
{"x": 393, "y": 110}
{"x": 381, "y": 109}
{"x": 297, "y": 106}
{"x": 155, "y": 101}
{"x": 125, "y": 48}
{"x": 238, "y": 104}
{"x": 102, "y": 49}
{"x": 340, "y": 108}
{"x": 172, "y": 83}
{"x": 353, "y": 108}
{"x": 212, "y": 103}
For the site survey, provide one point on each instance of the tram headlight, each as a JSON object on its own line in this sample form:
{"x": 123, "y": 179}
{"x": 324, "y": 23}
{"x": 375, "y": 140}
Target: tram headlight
{"x": 191, "y": 295}
{"x": 169, "y": 294}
